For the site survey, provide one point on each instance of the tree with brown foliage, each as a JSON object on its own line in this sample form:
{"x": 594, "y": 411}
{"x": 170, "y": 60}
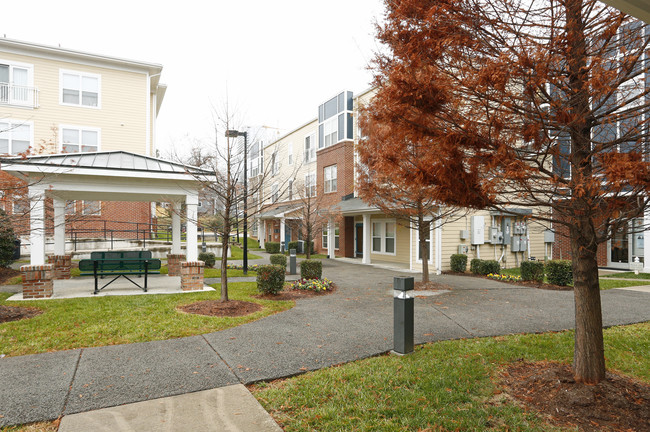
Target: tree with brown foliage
{"x": 530, "y": 104}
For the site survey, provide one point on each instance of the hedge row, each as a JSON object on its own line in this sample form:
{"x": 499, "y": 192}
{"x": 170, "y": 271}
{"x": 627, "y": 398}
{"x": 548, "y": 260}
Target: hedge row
{"x": 558, "y": 272}
{"x": 484, "y": 267}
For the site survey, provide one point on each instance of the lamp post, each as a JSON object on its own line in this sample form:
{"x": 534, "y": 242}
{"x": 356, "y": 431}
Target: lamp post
{"x": 231, "y": 133}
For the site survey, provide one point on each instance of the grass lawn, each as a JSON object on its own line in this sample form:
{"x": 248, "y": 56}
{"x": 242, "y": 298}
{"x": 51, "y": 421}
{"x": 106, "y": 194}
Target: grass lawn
{"x": 628, "y": 275}
{"x": 237, "y": 253}
{"x": 442, "y": 386}
{"x": 98, "y": 321}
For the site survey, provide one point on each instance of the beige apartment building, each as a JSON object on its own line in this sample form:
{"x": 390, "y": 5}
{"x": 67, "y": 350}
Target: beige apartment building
{"x": 55, "y": 100}
{"x": 318, "y": 160}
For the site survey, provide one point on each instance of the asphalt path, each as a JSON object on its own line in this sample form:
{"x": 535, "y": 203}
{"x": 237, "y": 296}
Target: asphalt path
{"x": 353, "y": 323}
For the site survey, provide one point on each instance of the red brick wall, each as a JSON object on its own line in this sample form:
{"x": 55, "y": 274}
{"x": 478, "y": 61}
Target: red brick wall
{"x": 341, "y": 155}
{"x": 562, "y": 246}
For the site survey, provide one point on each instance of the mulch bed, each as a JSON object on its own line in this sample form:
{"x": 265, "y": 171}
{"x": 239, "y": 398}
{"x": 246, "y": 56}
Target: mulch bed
{"x": 430, "y": 286}
{"x": 231, "y": 308}
{"x": 7, "y": 273}
{"x": 531, "y": 284}
{"x": 15, "y": 313}
{"x": 618, "y": 403}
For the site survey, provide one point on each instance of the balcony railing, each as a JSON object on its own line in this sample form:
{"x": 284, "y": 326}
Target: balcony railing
{"x": 24, "y": 96}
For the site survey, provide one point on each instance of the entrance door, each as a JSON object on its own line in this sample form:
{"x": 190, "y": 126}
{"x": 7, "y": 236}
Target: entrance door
{"x": 287, "y": 237}
{"x": 626, "y": 245}
{"x": 358, "y": 240}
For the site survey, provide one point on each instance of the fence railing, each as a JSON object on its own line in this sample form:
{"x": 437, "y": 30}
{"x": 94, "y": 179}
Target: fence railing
{"x": 13, "y": 94}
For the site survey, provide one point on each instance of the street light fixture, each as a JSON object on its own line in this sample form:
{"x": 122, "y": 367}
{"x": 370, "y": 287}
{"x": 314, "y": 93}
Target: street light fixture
{"x": 231, "y": 133}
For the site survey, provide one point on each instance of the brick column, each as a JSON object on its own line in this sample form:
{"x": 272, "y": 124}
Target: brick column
{"x": 61, "y": 265}
{"x": 37, "y": 281}
{"x": 192, "y": 275}
{"x": 174, "y": 264}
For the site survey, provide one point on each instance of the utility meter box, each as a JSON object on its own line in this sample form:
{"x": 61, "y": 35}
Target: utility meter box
{"x": 462, "y": 249}
{"x": 523, "y": 244}
{"x": 549, "y": 236}
{"x": 464, "y": 234}
{"x": 478, "y": 230}
{"x": 496, "y": 237}
{"x": 515, "y": 243}
{"x": 506, "y": 230}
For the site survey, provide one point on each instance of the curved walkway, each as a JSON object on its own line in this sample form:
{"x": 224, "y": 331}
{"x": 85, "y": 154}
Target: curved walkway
{"x": 353, "y": 323}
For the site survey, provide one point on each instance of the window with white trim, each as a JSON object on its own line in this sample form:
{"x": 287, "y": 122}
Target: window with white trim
{"x": 274, "y": 192}
{"x": 17, "y": 84}
{"x": 93, "y": 208}
{"x": 15, "y": 137}
{"x": 290, "y": 151}
{"x": 70, "y": 207}
{"x": 335, "y": 120}
{"x": 429, "y": 244}
{"x": 76, "y": 139}
{"x": 256, "y": 159}
{"x": 329, "y": 174}
{"x": 20, "y": 206}
{"x": 275, "y": 163}
{"x": 80, "y": 89}
{"x": 310, "y": 148}
{"x": 383, "y": 237}
{"x": 310, "y": 184}
{"x": 326, "y": 234}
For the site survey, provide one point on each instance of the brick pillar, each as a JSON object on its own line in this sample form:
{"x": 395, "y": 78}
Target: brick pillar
{"x": 192, "y": 275}
{"x": 174, "y": 264}
{"x": 61, "y": 266}
{"x": 37, "y": 281}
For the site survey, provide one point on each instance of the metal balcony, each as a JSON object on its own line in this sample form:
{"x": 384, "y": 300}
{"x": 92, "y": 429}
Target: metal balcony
{"x": 18, "y": 95}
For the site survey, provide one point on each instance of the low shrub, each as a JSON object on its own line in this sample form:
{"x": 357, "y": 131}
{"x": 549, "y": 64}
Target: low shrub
{"x": 272, "y": 247}
{"x": 208, "y": 258}
{"x": 459, "y": 263}
{"x": 7, "y": 240}
{"x": 316, "y": 285}
{"x": 532, "y": 271}
{"x": 270, "y": 279}
{"x": 489, "y": 266}
{"x": 279, "y": 259}
{"x": 474, "y": 265}
{"x": 559, "y": 272}
{"x": 311, "y": 269}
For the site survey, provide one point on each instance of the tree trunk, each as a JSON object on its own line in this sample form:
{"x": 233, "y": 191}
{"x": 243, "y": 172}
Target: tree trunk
{"x": 589, "y": 351}
{"x": 423, "y": 231}
{"x": 225, "y": 246}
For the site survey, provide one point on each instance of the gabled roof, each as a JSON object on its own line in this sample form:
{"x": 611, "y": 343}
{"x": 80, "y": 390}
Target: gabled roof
{"x": 120, "y": 163}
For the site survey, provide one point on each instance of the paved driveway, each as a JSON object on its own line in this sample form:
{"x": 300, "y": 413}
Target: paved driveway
{"x": 353, "y": 323}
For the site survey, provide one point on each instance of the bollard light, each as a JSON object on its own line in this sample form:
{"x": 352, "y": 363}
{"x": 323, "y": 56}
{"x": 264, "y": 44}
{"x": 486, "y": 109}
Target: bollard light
{"x": 403, "y": 315}
{"x": 292, "y": 261}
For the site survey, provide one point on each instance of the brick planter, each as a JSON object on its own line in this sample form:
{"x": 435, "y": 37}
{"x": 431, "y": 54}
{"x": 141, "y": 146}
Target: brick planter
{"x": 192, "y": 275}
{"x": 61, "y": 266}
{"x": 174, "y": 264}
{"x": 37, "y": 281}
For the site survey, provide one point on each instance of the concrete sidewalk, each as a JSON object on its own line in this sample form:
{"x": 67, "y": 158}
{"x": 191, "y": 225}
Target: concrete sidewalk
{"x": 353, "y": 323}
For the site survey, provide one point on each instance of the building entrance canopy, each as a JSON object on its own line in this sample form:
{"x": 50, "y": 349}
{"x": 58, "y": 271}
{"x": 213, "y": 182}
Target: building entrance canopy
{"x": 106, "y": 176}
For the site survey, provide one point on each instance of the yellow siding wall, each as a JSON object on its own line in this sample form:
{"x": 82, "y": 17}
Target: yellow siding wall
{"x": 122, "y": 117}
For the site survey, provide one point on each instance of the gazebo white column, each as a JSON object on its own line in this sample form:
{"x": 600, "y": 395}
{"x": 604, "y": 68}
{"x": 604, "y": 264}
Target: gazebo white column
{"x": 283, "y": 228}
{"x": 366, "y": 239}
{"x": 37, "y": 225}
{"x": 191, "y": 204}
{"x": 330, "y": 238}
{"x": 59, "y": 226}
{"x": 438, "y": 246}
{"x": 176, "y": 228}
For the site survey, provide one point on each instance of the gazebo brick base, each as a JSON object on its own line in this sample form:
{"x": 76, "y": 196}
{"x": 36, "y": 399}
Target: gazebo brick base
{"x": 61, "y": 266}
{"x": 37, "y": 281}
{"x": 192, "y": 275}
{"x": 174, "y": 264}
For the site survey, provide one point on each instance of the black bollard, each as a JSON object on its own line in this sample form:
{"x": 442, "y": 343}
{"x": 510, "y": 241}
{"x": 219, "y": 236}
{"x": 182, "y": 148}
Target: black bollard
{"x": 403, "y": 314}
{"x": 292, "y": 261}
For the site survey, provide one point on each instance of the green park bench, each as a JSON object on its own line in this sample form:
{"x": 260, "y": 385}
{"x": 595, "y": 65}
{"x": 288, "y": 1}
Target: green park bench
{"x": 119, "y": 264}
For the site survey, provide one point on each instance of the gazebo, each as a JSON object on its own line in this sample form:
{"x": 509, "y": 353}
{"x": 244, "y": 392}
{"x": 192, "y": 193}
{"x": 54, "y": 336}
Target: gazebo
{"x": 104, "y": 176}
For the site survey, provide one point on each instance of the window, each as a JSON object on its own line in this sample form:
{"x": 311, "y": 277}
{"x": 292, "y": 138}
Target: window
{"x": 20, "y": 206}
{"x": 16, "y": 84}
{"x": 255, "y": 159}
{"x": 335, "y": 120}
{"x": 310, "y": 184}
{"x": 336, "y": 236}
{"x": 15, "y": 137}
{"x": 330, "y": 178}
{"x": 383, "y": 237}
{"x": 275, "y": 163}
{"x": 310, "y": 148}
{"x": 76, "y": 140}
{"x": 290, "y": 190}
{"x": 92, "y": 208}
{"x": 80, "y": 89}
{"x": 70, "y": 207}
{"x": 290, "y": 150}
{"x": 274, "y": 192}
{"x": 426, "y": 226}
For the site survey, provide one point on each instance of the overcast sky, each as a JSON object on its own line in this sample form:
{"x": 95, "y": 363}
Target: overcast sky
{"x": 276, "y": 60}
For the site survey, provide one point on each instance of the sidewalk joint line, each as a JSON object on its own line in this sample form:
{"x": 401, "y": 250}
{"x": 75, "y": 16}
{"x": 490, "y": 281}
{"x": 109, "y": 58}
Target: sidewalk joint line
{"x": 222, "y": 360}
{"x": 74, "y": 375}
{"x": 449, "y": 318}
